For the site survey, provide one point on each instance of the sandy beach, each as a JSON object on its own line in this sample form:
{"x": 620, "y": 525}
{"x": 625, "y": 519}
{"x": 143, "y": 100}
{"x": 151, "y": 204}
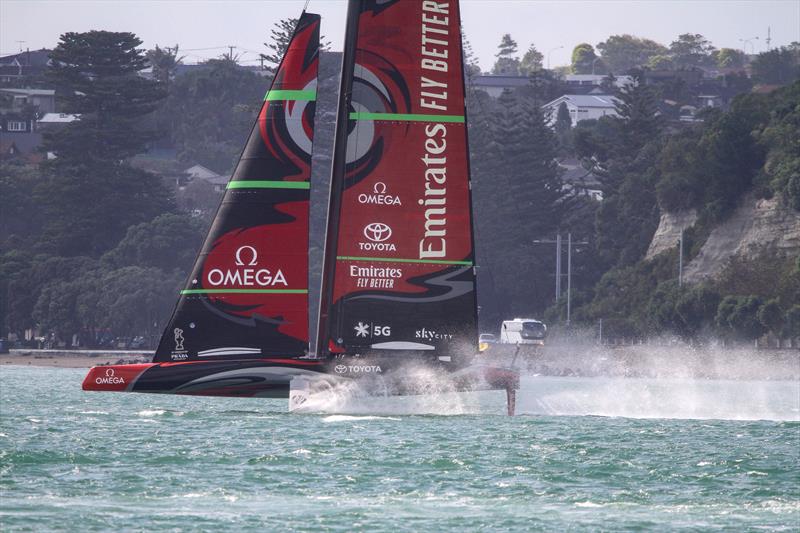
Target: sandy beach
{"x": 73, "y": 359}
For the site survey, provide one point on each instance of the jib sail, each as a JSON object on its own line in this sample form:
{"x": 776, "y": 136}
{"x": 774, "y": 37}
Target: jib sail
{"x": 399, "y": 250}
{"x": 247, "y": 295}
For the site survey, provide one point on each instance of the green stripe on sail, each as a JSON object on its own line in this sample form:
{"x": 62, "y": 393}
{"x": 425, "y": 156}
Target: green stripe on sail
{"x": 407, "y": 117}
{"x": 290, "y": 95}
{"x": 399, "y": 260}
{"x": 264, "y": 184}
{"x": 245, "y": 291}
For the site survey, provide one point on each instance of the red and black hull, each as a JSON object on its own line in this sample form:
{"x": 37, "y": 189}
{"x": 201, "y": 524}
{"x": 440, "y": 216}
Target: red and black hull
{"x": 271, "y": 378}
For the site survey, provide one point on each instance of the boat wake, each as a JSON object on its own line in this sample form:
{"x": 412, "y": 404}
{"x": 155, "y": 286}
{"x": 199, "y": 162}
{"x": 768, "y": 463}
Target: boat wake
{"x": 436, "y": 395}
{"x": 660, "y": 398}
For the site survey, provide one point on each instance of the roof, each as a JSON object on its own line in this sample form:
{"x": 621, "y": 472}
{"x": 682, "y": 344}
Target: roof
{"x": 199, "y": 171}
{"x": 31, "y": 92}
{"x": 500, "y": 81}
{"x": 24, "y": 141}
{"x": 605, "y": 101}
{"x": 32, "y": 58}
{"x": 203, "y": 173}
{"x": 57, "y": 118}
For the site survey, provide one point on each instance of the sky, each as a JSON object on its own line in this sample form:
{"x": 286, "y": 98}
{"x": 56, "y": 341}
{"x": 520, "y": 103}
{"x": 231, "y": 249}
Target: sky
{"x": 205, "y": 28}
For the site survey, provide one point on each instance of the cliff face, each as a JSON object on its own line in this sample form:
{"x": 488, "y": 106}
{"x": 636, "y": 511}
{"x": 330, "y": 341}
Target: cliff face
{"x": 669, "y": 231}
{"x": 755, "y": 227}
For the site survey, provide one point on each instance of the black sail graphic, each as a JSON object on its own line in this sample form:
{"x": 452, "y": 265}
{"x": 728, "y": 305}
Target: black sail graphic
{"x": 247, "y": 295}
{"x": 399, "y": 250}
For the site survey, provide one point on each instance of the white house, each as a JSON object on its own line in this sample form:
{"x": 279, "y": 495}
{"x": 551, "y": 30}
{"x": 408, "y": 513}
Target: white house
{"x": 199, "y": 172}
{"x": 581, "y": 107}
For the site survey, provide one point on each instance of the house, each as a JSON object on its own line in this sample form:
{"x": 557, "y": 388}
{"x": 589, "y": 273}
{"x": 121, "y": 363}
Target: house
{"x": 8, "y": 149}
{"x": 198, "y": 173}
{"x": 579, "y": 181}
{"x": 44, "y": 100}
{"x": 709, "y": 100}
{"x": 595, "y": 80}
{"x": 198, "y": 190}
{"x": 581, "y": 107}
{"x": 691, "y": 77}
{"x": 19, "y": 109}
{"x": 17, "y": 66}
{"x": 55, "y": 121}
{"x": 495, "y": 85}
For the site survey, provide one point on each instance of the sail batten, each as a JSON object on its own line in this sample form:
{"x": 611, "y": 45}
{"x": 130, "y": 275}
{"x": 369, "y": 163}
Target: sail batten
{"x": 409, "y": 117}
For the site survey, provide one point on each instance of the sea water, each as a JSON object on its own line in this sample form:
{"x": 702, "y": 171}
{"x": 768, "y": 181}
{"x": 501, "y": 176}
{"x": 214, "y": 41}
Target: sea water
{"x": 585, "y": 454}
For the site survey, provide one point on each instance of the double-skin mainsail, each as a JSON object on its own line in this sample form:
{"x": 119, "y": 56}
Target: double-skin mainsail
{"x": 247, "y": 295}
{"x": 399, "y": 257}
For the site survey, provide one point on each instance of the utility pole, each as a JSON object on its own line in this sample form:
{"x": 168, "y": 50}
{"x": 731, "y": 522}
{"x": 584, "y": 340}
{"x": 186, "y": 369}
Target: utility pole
{"x": 549, "y": 52}
{"x": 558, "y": 267}
{"x": 680, "y": 260}
{"x": 557, "y": 242}
{"x": 569, "y": 272}
{"x": 559, "y": 251}
{"x": 769, "y": 38}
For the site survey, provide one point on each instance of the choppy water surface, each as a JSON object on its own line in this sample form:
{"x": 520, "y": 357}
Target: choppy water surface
{"x": 74, "y": 461}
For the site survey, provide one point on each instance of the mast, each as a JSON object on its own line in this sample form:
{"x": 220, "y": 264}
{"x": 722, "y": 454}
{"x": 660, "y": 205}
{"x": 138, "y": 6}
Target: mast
{"x": 337, "y": 176}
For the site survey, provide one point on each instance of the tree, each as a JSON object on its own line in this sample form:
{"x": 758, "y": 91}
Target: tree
{"x": 609, "y": 83}
{"x": 660, "y": 62}
{"x": 738, "y": 317}
{"x": 771, "y": 316}
{"x": 89, "y": 194}
{"x": 169, "y": 242}
{"x": 584, "y": 60}
{"x": 164, "y": 61}
{"x": 637, "y": 107}
{"x": 471, "y": 66}
{"x": 212, "y": 110}
{"x": 692, "y": 50}
{"x": 778, "y": 66}
{"x": 696, "y": 308}
{"x": 563, "y": 128}
{"x": 96, "y": 74}
{"x": 20, "y": 214}
{"x": 280, "y": 36}
{"x": 781, "y": 172}
{"x": 516, "y": 161}
{"x": 620, "y": 53}
{"x": 730, "y": 58}
{"x": 88, "y": 208}
{"x": 791, "y": 327}
{"x": 507, "y": 63}
{"x": 531, "y": 61}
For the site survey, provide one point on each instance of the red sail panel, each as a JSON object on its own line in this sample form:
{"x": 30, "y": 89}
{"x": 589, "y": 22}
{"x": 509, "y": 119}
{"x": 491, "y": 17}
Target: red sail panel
{"x": 404, "y": 276}
{"x": 247, "y": 296}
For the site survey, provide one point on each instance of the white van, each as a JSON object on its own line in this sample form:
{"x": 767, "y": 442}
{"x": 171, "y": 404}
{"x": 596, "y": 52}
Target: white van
{"x": 523, "y": 331}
